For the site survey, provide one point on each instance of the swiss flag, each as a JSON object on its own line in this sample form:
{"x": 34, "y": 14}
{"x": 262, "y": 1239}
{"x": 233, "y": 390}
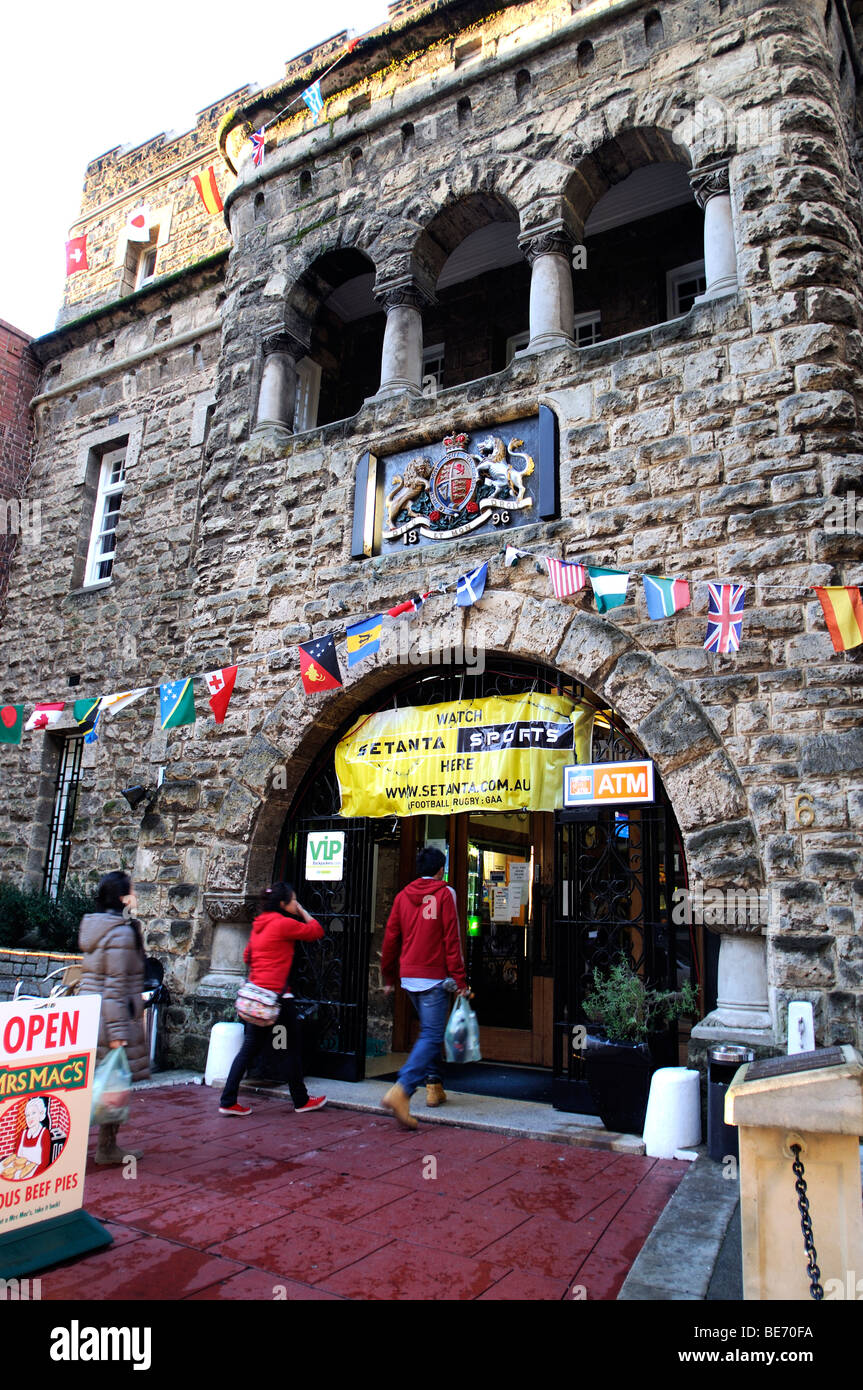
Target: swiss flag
{"x": 138, "y": 225}
{"x": 221, "y": 685}
{"x": 76, "y": 254}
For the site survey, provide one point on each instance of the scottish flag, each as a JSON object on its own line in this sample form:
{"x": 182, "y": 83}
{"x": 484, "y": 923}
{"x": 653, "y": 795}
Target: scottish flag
{"x": 470, "y": 586}
{"x": 313, "y": 99}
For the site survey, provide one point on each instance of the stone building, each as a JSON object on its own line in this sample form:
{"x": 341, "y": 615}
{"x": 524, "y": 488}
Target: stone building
{"x": 618, "y": 241}
{"x": 18, "y": 377}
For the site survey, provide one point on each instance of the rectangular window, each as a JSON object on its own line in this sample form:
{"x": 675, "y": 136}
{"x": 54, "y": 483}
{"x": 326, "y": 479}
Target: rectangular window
{"x": 587, "y": 328}
{"x": 63, "y": 815}
{"x": 684, "y": 285}
{"x": 433, "y": 363}
{"x": 308, "y": 394}
{"x": 516, "y": 344}
{"x": 109, "y": 495}
{"x": 146, "y": 264}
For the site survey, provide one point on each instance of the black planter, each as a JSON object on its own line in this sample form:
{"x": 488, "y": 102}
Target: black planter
{"x": 618, "y": 1076}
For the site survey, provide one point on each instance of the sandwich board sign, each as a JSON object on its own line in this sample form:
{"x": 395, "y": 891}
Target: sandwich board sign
{"x": 608, "y": 784}
{"x": 325, "y": 855}
{"x": 47, "y": 1057}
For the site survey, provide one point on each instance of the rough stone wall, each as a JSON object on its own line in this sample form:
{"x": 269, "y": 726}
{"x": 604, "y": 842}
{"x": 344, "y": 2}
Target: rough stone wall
{"x": 30, "y": 966}
{"x": 18, "y": 375}
{"x": 713, "y": 446}
{"x": 159, "y": 175}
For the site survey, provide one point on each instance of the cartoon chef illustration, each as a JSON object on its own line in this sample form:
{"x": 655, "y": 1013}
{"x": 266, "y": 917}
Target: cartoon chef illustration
{"x": 35, "y": 1142}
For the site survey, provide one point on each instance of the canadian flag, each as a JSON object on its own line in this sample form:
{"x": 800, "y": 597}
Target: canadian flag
{"x": 221, "y": 685}
{"x": 138, "y": 224}
{"x": 45, "y": 714}
{"x": 76, "y": 254}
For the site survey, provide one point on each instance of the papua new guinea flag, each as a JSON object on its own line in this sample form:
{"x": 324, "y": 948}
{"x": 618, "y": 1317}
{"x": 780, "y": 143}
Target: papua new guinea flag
{"x": 665, "y": 596}
{"x": 319, "y": 665}
{"x": 11, "y": 723}
{"x": 176, "y": 703}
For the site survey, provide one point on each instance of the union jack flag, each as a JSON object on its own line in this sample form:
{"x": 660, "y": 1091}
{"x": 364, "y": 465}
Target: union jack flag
{"x": 724, "y": 617}
{"x": 257, "y": 138}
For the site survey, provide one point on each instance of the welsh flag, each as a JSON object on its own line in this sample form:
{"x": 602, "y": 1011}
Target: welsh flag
{"x": 221, "y": 686}
{"x": 44, "y": 715}
{"x": 11, "y": 723}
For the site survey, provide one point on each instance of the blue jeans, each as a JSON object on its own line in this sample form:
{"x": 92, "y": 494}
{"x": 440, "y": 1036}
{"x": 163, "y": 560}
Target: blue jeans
{"x": 432, "y": 1007}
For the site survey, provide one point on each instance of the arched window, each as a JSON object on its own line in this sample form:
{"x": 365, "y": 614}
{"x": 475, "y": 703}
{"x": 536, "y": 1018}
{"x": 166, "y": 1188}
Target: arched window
{"x": 522, "y": 84}
{"x": 260, "y": 209}
{"x": 356, "y": 161}
{"x": 408, "y": 138}
{"x": 344, "y": 326}
{"x": 305, "y": 181}
{"x": 464, "y": 112}
{"x": 653, "y": 30}
{"x": 584, "y": 55}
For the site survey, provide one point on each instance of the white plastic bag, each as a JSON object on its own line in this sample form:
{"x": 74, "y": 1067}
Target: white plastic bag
{"x": 112, "y": 1084}
{"x": 461, "y": 1038}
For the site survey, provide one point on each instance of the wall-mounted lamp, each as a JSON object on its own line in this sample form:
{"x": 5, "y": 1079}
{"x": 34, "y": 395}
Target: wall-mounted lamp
{"x": 135, "y": 795}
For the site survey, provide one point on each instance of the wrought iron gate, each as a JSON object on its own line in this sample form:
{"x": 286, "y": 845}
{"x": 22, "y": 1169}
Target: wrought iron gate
{"x": 330, "y": 977}
{"x": 615, "y": 872}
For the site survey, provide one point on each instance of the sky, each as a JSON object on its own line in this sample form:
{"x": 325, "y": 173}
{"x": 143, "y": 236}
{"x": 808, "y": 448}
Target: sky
{"x": 80, "y": 80}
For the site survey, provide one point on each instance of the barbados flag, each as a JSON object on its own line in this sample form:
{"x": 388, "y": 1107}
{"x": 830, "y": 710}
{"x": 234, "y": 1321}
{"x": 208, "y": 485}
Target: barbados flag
{"x": 364, "y": 639}
{"x": 665, "y": 596}
{"x": 176, "y": 704}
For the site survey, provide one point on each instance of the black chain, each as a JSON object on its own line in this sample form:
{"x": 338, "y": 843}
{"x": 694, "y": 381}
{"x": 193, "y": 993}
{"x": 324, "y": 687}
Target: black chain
{"x": 815, "y": 1289}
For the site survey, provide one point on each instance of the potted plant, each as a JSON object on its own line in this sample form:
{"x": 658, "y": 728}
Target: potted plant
{"x": 618, "y": 1058}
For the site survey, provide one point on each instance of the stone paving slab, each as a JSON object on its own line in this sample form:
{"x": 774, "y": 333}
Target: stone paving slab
{"x": 344, "y": 1204}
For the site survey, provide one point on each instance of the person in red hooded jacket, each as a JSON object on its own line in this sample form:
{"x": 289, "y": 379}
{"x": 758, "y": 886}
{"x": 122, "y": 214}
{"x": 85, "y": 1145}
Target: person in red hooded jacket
{"x": 422, "y": 940}
{"x": 269, "y": 956}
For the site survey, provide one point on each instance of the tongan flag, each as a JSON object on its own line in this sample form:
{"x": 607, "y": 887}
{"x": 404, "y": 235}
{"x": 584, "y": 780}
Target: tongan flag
{"x": 724, "y": 617}
{"x": 45, "y": 714}
{"x": 469, "y": 589}
{"x": 609, "y": 587}
{"x": 843, "y": 614}
{"x": 258, "y": 140}
{"x": 176, "y": 703}
{"x": 76, "y": 254}
{"x": 364, "y": 639}
{"x": 665, "y": 596}
{"x": 138, "y": 224}
{"x": 319, "y": 665}
{"x": 208, "y": 190}
{"x": 565, "y": 578}
{"x": 313, "y": 99}
{"x": 115, "y": 704}
{"x": 11, "y": 723}
{"x": 220, "y": 684}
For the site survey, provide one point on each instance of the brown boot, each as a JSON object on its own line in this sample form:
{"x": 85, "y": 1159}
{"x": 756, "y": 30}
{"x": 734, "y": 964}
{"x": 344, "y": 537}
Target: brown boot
{"x": 107, "y": 1150}
{"x": 435, "y": 1093}
{"x": 399, "y": 1102}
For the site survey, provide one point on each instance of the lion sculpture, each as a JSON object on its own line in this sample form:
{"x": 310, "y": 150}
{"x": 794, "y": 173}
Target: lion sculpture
{"x": 497, "y": 466}
{"x": 407, "y": 488}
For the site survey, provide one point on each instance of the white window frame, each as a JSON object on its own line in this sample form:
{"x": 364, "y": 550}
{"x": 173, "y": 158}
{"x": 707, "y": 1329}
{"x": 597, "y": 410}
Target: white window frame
{"x": 517, "y": 343}
{"x": 308, "y": 395}
{"x": 693, "y": 270}
{"x": 109, "y": 486}
{"x": 433, "y": 363}
{"x": 142, "y": 277}
{"x": 592, "y": 319}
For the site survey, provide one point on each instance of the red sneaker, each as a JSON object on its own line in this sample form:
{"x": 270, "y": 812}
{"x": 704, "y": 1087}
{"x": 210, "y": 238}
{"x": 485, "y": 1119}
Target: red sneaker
{"x": 235, "y": 1110}
{"x": 313, "y": 1103}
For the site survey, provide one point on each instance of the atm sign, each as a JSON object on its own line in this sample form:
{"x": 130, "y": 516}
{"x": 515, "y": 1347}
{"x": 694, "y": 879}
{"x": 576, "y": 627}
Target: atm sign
{"x": 608, "y": 784}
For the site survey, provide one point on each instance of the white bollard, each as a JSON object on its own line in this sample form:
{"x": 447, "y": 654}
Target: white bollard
{"x": 673, "y": 1119}
{"x": 225, "y": 1042}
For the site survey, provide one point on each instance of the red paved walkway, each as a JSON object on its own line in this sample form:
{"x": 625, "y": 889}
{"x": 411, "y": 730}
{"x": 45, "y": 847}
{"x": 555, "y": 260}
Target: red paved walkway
{"x": 335, "y": 1205}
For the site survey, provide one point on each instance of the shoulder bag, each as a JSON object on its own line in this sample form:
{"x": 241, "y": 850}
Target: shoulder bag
{"x": 257, "y": 1005}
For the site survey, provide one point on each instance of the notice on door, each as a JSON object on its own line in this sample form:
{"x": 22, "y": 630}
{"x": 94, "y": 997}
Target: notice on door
{"x": 325, "y": 855}
{"x": 503, "y": 752}
{"x": 47, "y": 1055}
{"x": 608, "y": 784}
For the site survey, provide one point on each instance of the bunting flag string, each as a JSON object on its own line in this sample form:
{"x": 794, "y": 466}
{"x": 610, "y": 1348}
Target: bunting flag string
{"x": 319, "y": 664}
{"x": 311, "y": 96}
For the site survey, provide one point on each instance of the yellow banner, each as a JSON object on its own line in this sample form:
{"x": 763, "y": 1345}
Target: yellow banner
{"x": 501, "y": 753}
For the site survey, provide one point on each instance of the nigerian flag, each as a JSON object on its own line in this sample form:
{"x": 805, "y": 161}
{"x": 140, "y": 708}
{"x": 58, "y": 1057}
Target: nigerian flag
{"x": 176, "y": 703}
{"x": 609, "y": 587}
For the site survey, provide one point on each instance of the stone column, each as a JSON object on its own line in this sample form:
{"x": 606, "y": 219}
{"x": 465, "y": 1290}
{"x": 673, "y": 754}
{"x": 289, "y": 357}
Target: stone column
{"x": 278, "y": 391}
{"x": 742, "y": 1012}
{"x": 231, "y": 918}
{"x": 711, "y": 188}
{"x": 402, "y": 355}
{"x": 548, "y": 250}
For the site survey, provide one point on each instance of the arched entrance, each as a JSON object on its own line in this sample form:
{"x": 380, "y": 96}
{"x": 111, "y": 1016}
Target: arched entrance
{"x": 589, "y": 884}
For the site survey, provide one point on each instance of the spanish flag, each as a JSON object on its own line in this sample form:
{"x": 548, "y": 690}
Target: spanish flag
{"x": 208, "y": 190}
{"x": 843, "y": 614}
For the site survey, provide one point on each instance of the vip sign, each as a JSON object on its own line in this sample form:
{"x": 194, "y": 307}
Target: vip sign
{"x": 608, "y": 784}
{"x": 47, "y": 1055}
{"x": 325, "y": 854}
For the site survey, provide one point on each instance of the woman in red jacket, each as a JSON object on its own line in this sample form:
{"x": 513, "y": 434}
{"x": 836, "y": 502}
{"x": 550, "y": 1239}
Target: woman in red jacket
{"x": 269, "y": 956}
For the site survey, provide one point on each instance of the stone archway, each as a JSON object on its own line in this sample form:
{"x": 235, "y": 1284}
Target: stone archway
{"x": 699, "y": 776}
